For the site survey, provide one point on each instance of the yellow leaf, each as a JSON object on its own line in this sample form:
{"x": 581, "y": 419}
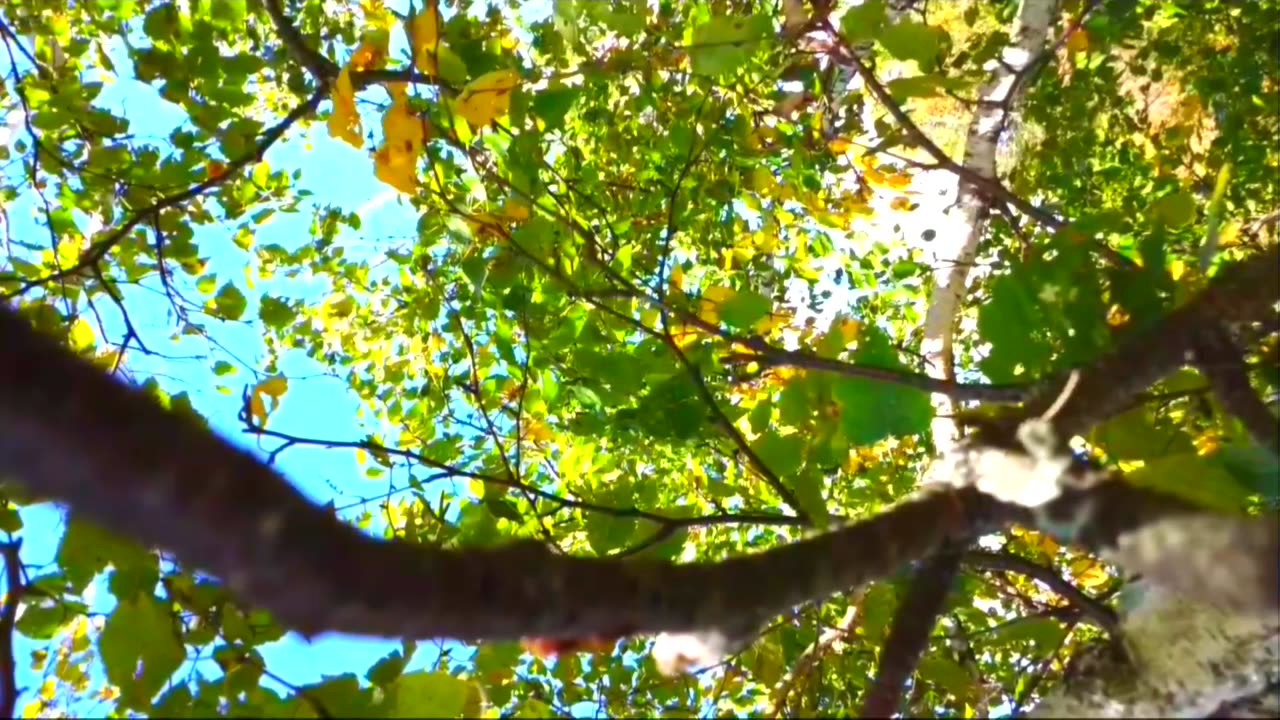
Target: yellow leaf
{"x": 686, "y": 335}
{"x": 395, "y": 171}
{"x": 404, "y": 138}
{"x": 538, "y": 432}
{"x": 424, "y": 33}
{"x": 839, "y": 145}
{"x": 81, "y": 335}
{"x": 897, "y": 181}
{"x": 848, "y": 329}
{"x": 676, "y": 280}
{"x": 486, "y": 98}
{"x": 257, "y": 409}
{"x": 900, "y": 203}
{"x": 344, "y": 122}
{"x": 719, "y": 293}
{"x": 484, "y": 225}
{"x": 273, "y": 387}
{"x": 1229, "y": 233}
{"x": 48, "y": 689}
{"x": 1091, "y": 576}
{"x": 1078, "y": 42}
{"x": 515, "y": 210}
{"x": 650, "y": 317}
{"x": 372, "y": 51}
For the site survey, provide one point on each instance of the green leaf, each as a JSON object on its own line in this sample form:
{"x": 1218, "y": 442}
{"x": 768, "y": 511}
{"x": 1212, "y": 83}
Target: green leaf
{"x": 553, "y": 104}
{"x": 1133, "y": 436}
{"x": 504, "y": 510}
{"x": 947, "y": 674}
{"x": 878, "y": 605}
{"x": 722, "y": 44}
{"x": 45, "y": 620}
{"x": 275, "y": 313}
{"x": 1195, "y": 479}
{"x": 1175, "y": 209}
{"x": 387, "y": 670}
{"x": 342, "y": 696}
{"x": 433, "y": 694}
{"x": 1044, "y": 633}
{"x": 608, "y": 533}
{"x": 784, "y": 454}
{"x": 206, "y": 284}
{"x": 10, "y": 520}
{"x": 140, "y": 649}
{"x": 1214, "y": 218}
{"x": 760, "y": 416}
{"x": 808, "y": 489}
{"x": 910, "y": 40}
{"x": 86, "y": 550}
{"x": 228, "y": 13}
{"x": 1007, "y": 321}
{"x": 863, "y": 22}
{"x": 175, "y": 703}
{"x": 230, "y": 303}
{"x": 744, "y": 309}
{"x": 1255, "y": 468}
{"x": 871, "y": 410}
{"x": 534, "y": 708}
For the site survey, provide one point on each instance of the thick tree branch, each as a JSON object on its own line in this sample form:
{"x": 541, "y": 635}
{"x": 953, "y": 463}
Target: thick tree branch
{"x": 909, "y": 633}
{"x": 120, "y": 459}
{"x": 1242, "y": 292}
{"x": 1222, "y": 362}
{"x": 8, "y": 622}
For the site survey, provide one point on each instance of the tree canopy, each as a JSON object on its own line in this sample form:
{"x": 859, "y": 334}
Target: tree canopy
{"x": 686, "y": 282}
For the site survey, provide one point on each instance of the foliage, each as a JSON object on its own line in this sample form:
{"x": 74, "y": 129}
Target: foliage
{"x": 613, "y": 202}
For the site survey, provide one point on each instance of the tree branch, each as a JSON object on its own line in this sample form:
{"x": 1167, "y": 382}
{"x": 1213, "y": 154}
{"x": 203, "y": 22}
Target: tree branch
{"x": 8, "y": 623}
{"x": 909, "y": 633}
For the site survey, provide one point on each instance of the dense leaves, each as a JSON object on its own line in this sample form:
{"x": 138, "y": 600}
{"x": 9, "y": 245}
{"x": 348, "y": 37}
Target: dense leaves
{"x": 611, "y": 199}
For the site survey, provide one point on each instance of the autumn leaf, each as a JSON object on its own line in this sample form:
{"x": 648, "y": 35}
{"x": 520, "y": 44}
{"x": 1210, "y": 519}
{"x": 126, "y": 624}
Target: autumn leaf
{"x": 404, "y": 138}
{"x": 344, "y": 121}
{"x": 486, "y": 98}
{"x": 424, "y": 38}
{"x": 371, "y": 53}
{"x": 274, "y": 388}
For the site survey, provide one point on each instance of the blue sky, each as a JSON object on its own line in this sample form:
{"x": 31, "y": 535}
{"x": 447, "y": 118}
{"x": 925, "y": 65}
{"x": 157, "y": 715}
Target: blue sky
{"x": 317, "y": 404}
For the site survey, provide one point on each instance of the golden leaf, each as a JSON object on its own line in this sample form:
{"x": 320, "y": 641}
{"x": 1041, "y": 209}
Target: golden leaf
{"x": 344, "y": 122}
{"x": 424, "y": 32}
{"x": 392, "y": 170}
{"x": 273, "y": 387}
{"x": 371, "y": 52}
{"x": 486, "y": 98}
{"x": 1078, "y": 42}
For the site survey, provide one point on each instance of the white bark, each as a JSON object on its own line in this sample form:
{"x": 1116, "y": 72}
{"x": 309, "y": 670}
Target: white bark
{"x": 953, "y": 250}
{"x": 1184, "y": 660}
